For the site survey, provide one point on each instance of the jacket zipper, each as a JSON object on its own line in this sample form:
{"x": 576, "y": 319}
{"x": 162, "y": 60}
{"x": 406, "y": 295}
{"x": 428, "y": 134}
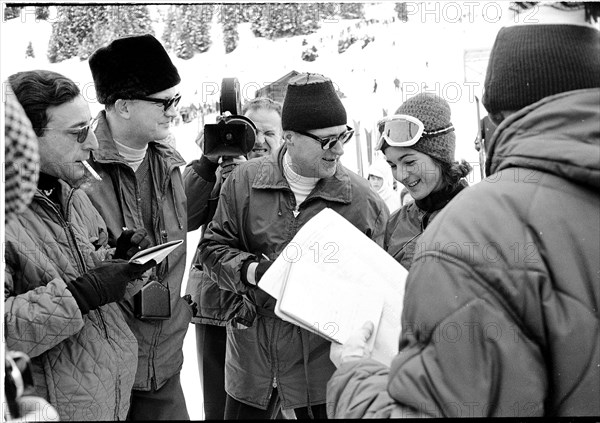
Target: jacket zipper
{"x": 83, "y": 267}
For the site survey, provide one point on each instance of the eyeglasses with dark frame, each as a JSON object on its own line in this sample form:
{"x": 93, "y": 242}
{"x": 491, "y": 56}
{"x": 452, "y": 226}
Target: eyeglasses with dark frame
{"x": 167, "y": 103}
{"x": 81, "y": 132}
{"x": 328, "y": 142}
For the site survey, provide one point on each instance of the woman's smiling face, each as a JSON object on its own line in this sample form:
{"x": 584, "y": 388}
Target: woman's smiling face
{"x": 415, "y": 170}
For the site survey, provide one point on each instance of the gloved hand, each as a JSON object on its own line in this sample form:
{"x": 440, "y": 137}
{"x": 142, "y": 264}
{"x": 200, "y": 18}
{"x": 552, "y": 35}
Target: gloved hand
{"x": 354, "y": 348}
{"x": 105, "y": 283}
{"x": 188, "y": 299}
{"x": 228, "y": 164}
{"x": 130, "y": 242}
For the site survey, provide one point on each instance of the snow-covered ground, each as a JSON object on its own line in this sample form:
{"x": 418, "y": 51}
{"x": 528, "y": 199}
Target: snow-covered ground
{"x": 429, "y": 49}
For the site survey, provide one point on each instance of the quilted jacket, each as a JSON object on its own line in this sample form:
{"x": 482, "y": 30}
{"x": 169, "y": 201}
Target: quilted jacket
{"x": 117, "y": 198}
{"x": 256, "y": 215}
{"x": 83, "y": 365}
{"x": 501, "y": 309}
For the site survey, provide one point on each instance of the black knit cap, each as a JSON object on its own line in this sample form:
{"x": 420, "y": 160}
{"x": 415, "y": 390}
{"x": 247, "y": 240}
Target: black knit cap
{"x": 311, "y": 103}
{"x": 132, "y": 66}
{"x": 530, "y": 62}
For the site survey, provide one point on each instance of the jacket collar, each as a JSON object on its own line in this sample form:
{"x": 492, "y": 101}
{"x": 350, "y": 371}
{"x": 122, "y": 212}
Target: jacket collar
{"x": 557, "y": 135}
{"x": 107, "y": 149}
{"x": 270, "y": 176}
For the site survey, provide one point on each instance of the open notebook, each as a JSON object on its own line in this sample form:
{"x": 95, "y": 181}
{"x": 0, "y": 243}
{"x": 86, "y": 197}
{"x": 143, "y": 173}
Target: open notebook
{"x": 157, "y": 253}
{"x": 332, "y": 278}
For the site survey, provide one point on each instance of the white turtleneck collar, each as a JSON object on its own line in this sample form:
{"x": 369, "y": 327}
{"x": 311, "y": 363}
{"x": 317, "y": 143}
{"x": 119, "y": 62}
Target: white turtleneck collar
{"x": 132, "y": 156}
{"x": 301, "y": 185}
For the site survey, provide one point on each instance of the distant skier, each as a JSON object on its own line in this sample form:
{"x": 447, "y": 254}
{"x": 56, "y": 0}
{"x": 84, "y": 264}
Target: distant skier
{"x": 396, "y": 83}
{"x": 374, "y": 85}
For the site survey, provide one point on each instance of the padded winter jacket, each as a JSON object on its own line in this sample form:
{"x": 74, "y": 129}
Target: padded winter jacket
{"x": 117, "y": 198}
{"x": 256, "y": 215}
{"x": 501, "y": 310}
{"x": 83, "y": 365}
{"x": 215, "y": 306}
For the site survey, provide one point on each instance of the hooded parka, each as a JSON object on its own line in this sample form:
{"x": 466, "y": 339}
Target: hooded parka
{"x": 257, "y": 215}
{"x": 501, "y": 310}
{"x": 84, "y": 365}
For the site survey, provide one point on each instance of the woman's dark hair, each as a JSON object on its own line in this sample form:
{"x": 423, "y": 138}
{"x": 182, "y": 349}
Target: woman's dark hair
{"x": 39, "y": 89}
{"x": 453, "y": 172}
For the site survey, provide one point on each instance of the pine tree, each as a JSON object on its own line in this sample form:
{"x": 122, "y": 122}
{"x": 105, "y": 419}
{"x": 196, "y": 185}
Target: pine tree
{"x": 352, "y": 11}
{"x": 11, "y": 12}
{"x": 63, "y": 43}
{"x": 402, "y": 11}
{"x": 170, "y": 28}
{"x": 29, "y": 50}
{"x": 130, "y": 20}
{"x": 42, "y": 12}
{"x": 188, "y": 29}
{"x": 229, "y": 17}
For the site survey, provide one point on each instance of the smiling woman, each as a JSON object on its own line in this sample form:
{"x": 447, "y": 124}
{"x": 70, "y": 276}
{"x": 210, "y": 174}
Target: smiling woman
{"x": 419, "y": 144}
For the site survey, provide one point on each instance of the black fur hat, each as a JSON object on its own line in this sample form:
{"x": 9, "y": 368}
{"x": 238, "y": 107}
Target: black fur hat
{"x": 130, "y": 67}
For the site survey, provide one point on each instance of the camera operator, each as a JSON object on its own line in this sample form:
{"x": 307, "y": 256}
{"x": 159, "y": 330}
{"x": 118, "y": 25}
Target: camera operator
{"x": 203, "y": 180}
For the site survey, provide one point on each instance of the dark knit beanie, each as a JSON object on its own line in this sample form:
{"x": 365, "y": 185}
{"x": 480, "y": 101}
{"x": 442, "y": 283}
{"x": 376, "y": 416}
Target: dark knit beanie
{"x": 131, "y": 67}
{"x": 311, "y": 103}
{"x": 434, "y": 112}
{"x": 530, "y": 62}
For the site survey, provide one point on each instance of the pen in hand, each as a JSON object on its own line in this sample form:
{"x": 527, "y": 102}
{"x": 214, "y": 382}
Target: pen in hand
{"x": 265, "y": 257}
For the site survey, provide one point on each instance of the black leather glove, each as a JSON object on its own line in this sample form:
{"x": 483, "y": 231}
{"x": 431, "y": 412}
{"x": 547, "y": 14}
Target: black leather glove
{"x": 188, "y": 299}
{"x": 105, "y": 283}
{"x": 130, "y": 242}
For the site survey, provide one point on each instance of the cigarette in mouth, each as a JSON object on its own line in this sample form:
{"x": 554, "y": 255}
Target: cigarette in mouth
{"x": 91, "y": 170}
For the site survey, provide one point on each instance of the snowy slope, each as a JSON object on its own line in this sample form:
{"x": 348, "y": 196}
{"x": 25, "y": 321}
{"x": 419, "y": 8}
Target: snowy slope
{"x": 429, "y": 49}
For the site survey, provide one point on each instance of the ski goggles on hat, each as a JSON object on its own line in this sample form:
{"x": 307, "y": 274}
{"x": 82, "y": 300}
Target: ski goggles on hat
{"x": 404, "y": 131}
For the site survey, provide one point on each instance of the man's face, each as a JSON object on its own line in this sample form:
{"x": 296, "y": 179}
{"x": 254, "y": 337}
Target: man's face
{"x": 268, "y": 131}
{"x": 148, "y": 121}
{"x": 308, "y": 158}
{"x": 60, "y": 153}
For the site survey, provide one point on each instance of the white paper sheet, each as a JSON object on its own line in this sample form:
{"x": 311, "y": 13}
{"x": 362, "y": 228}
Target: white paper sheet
{"x": 333, "y": 278}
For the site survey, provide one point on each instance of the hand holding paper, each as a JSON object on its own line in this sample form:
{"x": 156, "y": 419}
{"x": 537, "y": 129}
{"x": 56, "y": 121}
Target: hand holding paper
{"x": 333, "y": 279}
{"x": 355, "y": 348}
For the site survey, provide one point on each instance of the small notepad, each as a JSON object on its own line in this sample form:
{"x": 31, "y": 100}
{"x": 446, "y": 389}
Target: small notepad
{"x": 156, "y": 253}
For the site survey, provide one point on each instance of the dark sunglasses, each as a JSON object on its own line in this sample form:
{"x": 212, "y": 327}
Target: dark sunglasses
{"x": 81, "y": 133}
{"x": 167, "y": 103}
{"x": 328, "y": 142}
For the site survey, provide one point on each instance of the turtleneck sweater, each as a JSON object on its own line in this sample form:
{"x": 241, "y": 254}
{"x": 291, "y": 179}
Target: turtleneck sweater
{"x": 132, "y": 156}
{"x": 301, "y": 185}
